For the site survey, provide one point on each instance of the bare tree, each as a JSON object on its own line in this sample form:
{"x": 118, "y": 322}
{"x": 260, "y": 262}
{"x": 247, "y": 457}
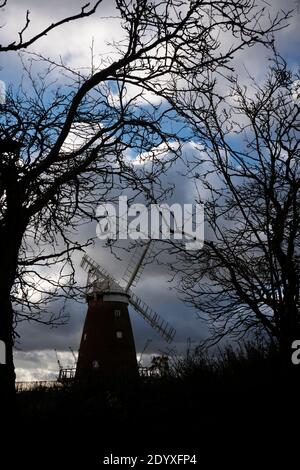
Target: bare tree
{"x": 22, "y": 43}
{"x": 246, "y": 279}
{"x": 50, "y": 185}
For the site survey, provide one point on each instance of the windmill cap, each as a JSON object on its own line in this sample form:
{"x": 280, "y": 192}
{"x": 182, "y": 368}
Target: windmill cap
{"x": 108, "y": 288}
{"x": 106, "y": 285}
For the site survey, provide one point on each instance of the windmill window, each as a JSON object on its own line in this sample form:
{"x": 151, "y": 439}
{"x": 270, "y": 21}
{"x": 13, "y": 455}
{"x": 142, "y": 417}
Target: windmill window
{"x": 119, "y": 334}
{"x": 95, "y": 364}
{"x": 117, "y": 313}
{"x": 84, "y": 337}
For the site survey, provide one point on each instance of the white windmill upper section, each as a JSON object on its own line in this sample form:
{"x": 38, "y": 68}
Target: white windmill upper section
{"x": 110, "y": 291}
{"x": 105, "y": 286}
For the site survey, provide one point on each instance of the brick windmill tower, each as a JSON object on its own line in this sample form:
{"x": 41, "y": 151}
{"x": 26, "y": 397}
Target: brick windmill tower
{"x": 107, "y": 349}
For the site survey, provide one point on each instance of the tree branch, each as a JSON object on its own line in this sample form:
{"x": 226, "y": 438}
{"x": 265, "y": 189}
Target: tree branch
{"x": 24, "y": 44}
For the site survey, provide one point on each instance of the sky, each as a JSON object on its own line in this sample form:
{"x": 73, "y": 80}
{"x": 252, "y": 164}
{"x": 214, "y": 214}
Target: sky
{"x": 35, "y": 357}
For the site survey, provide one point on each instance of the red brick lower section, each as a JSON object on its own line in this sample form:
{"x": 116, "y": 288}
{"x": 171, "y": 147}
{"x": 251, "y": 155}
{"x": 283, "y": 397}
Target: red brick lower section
{"x": 107, "y": 349}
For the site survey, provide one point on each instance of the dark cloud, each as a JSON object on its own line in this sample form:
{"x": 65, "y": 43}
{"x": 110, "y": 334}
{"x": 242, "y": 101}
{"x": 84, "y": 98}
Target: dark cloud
{"x": 154, "y": 287}
{"x": 35, "y": 357}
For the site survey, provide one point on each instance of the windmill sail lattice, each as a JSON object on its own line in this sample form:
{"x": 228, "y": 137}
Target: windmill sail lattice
{"x": 160, "y": 325}
{"x": 97, "y": 272}
{"x": 136, "y": 265}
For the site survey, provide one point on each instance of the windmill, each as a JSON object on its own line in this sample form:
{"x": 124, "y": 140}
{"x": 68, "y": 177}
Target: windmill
{"x": 107, "y": 348}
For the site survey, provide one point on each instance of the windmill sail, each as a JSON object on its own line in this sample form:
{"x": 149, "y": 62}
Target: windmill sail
{"x": 93, "y": 268}
{"x": 97, "y": 272}
{"x": 136, "y": 265}
{"x": 96, "y": 275}
{"x": 148, "y": 314}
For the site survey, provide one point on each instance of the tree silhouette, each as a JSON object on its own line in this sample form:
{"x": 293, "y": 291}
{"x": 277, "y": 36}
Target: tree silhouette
{"x": 246, "y": 279}
{"x": 66, "y": 148}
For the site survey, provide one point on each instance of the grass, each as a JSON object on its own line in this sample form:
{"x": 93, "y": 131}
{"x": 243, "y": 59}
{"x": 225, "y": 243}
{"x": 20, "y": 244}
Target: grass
{"x": 197, "y": 402}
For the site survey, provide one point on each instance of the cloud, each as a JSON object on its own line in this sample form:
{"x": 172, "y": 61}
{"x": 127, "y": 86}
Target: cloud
{"x": 40, "y": 365}
{"x": 35, "y": 359}
{"x": 71, "y": 42}
{"x": 154, "y": 288}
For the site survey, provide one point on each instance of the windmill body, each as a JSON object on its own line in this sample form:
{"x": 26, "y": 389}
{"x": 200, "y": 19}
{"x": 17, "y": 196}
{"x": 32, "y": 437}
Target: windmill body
{"x": 107, "y": 349}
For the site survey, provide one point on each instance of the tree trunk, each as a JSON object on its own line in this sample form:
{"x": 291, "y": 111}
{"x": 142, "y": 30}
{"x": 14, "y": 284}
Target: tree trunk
{"x": 12, "y": 228}
{"x": 10, "y": 241}
{"x": 7, "y": 370}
